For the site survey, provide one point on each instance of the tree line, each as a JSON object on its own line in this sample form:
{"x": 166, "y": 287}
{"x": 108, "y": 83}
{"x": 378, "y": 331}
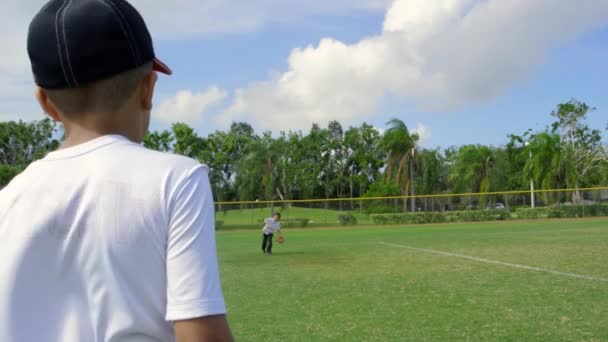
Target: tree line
{"x": 338, "y": 162}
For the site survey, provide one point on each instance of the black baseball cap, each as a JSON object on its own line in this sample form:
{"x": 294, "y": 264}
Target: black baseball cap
{"x": 75, "y": 42}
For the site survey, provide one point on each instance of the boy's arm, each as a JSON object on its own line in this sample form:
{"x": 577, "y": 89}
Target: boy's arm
{"x": 213, "y": 328}
{"x": 194, "y": 297}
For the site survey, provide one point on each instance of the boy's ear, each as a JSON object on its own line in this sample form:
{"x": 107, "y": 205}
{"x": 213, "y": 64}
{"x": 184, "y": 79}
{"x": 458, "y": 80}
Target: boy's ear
{"x": 147, "y": 90}
{"x": 47, "y": 105}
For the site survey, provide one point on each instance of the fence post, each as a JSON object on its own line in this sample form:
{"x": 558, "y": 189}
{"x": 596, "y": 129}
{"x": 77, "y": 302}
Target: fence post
{"x": 360, "y": 211}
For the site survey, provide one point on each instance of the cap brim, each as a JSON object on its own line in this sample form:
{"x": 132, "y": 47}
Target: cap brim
{"x": 159, "y": 66}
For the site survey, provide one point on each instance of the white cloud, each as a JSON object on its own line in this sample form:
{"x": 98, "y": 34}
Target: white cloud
{"x": 438, "y": 53}
{"x": 424, "y": 133}
{"x": 167, "y": 20}
{"x": 184, "y": 17}
{"x": 189, "y": 107}
{"x": 380, "y": 130}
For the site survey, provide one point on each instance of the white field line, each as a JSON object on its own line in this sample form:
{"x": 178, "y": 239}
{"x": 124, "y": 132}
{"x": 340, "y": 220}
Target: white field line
{"x": 524, "y": 267}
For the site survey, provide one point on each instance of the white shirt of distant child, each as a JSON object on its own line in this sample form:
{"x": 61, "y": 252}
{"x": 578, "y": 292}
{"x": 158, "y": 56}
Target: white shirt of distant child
{"x": 271, "y": 226}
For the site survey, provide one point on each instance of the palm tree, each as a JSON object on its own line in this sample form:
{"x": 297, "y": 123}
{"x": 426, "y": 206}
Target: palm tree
{"x": 471, "y": 170}
{"x": 546, "y": 163}
{"x": 400, "y": 147}
{"x": 257, "y": 171}
{"x": 430, "y": 164}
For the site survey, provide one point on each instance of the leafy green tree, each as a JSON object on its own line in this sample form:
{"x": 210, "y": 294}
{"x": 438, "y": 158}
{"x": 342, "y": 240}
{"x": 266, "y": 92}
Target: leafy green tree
{"x": 217, "y": 156}
{"x": 259, "y": 166}
{"x": 160, "y": 141}
{"x": 583, "y": 152}
{"x": 7, "y": 173}
{"x": 238, "y": 139}
{"x": 430, "y": 179}
{"x": 338, "y": 161}
{"x": 291, "y": 171}
{"x": 312, "y": 159}
{"x": 471, "y": 170}
{"x": 364, "y": 157}
{"x": 223, "y": 152}
{"x": 545, "y": 163}
{"x": 379, "y": 189}
{"x": 430, "y": 164}
{"x": 400, "y": 146}
{"x": 516, "y": 155}
{"x": 187, "y": 142}
{"x": 22, "y": 143}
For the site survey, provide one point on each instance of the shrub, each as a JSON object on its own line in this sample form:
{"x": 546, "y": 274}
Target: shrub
{"x": 477, "y": 215}
{"x": 532, "y": 213}
{"x": 304, "y": 222}
{"x": 564, "y": 211}
{"x": 379, "y": 219}
{"x": 347, "y": 219}
{"x": 438, "y": 217}
{"x": 576, "y": 211}
{"x": 408, "y": 218}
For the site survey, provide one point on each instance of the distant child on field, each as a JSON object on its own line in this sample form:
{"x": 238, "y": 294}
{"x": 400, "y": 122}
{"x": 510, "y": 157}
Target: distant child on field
{"x": 271, "y": 226}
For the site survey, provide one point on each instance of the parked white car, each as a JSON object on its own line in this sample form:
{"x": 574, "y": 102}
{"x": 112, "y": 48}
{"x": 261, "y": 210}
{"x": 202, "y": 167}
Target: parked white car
{"x": 496, "y": 206}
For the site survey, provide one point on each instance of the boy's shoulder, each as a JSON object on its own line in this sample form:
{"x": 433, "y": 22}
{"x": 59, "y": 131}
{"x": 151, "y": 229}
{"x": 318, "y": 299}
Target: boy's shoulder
{"x": 164, "y": 158}
{"x": 124, "y": 160}
{"x": 167, "y": 168}
{"x": 138, "y": 157}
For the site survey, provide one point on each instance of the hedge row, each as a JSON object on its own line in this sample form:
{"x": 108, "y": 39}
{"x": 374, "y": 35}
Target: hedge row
{"x": 570, "y": 211}
{"x": 574, "y": 211}
{"x": 532, "y": 213}
{"x": 347, "y": 219}
{"x": 439, "y": 217}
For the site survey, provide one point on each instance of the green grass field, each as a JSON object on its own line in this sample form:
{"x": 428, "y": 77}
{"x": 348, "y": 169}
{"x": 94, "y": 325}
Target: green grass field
{"x": 345, "y": 285}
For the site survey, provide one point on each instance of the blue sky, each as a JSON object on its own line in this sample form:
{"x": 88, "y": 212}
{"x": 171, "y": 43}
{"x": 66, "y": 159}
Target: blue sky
{"x": 459, "y": 71}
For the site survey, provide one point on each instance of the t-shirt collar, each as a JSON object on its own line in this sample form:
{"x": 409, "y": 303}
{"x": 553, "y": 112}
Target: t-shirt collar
{"x": 85, "y": 147}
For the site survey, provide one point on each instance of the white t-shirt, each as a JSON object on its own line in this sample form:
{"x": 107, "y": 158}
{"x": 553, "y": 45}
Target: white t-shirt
{"x": 271, "y": 226}
{"x": 107, "y": 241}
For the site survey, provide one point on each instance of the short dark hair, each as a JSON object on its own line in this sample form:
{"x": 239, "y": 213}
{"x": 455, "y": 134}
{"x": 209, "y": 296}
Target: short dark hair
{"x": 106, "y": 95}
{"x": 277, "y": 214}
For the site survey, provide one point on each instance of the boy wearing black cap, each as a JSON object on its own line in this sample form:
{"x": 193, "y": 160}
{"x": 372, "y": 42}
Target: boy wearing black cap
{"x": 104, "y": 240}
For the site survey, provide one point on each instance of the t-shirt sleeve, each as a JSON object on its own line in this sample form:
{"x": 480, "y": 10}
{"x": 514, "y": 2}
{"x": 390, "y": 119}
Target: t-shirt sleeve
{"x": 193, "y": 282}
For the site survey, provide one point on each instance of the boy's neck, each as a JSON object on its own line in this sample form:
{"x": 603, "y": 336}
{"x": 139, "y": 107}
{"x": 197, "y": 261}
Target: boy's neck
{"x": 81, "y": 136}
{"x": 77, "y": 133}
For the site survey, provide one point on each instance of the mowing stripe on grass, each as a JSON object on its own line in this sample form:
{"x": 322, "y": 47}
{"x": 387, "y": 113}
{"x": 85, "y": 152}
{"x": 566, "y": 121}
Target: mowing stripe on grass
{"x": 530, "y": 268}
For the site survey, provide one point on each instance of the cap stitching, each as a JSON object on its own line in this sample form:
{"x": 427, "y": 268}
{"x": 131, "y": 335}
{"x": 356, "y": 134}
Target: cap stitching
{"x": 59, "y": 42}
{"x": 65, "y": 41}
{"x": 130, "y": 31}
{"x": 122, "y": 27}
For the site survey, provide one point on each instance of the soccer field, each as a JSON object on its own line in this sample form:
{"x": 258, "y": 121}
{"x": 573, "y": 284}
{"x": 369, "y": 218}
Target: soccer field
{"x": 510, "y": 281}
